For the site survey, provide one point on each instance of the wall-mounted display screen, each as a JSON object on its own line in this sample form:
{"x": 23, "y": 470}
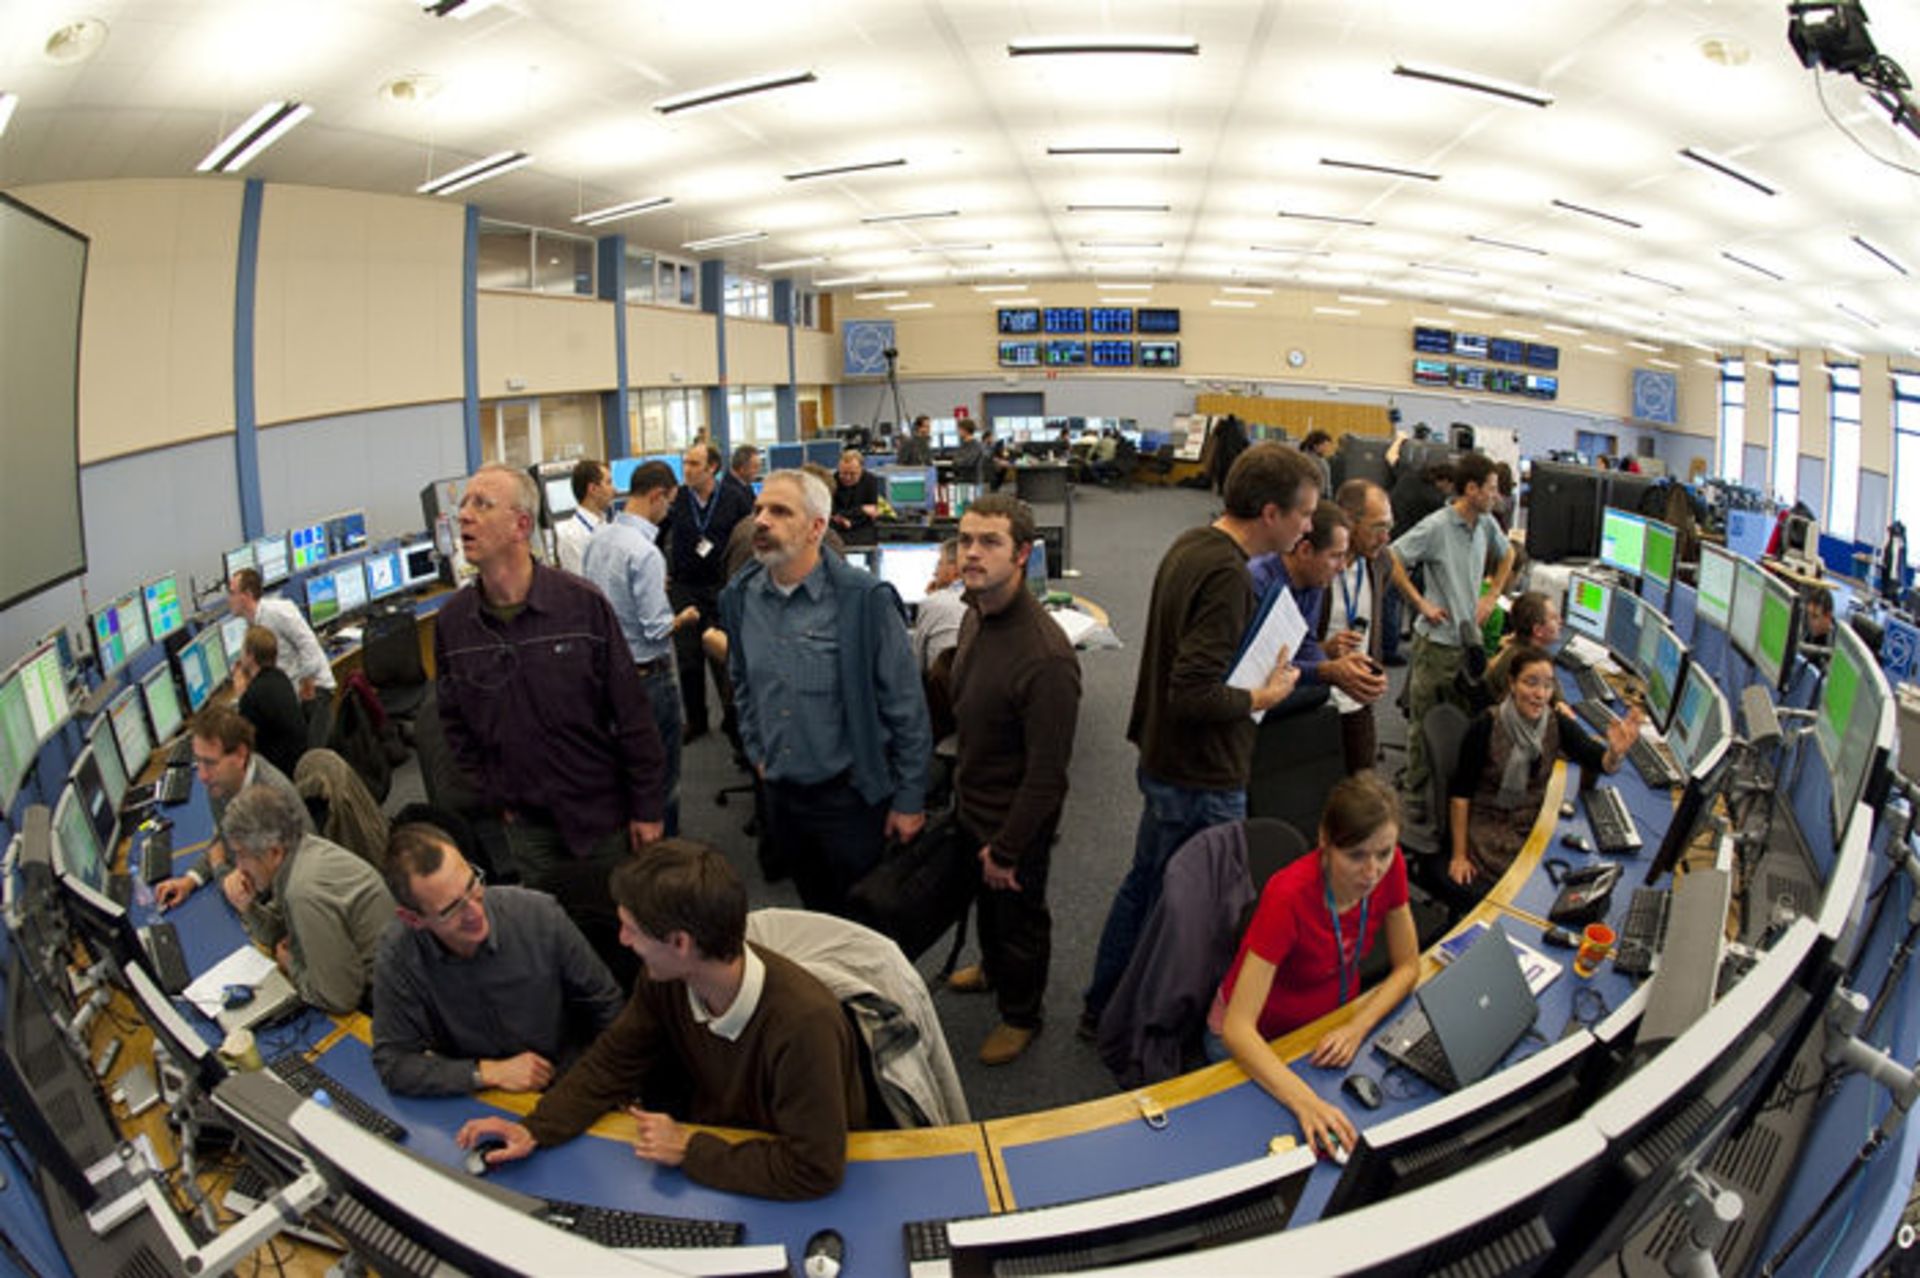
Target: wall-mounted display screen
{"x": 1504, "y": 350}
{"x": 1540, "y": 386}
{"x": 1432, "y": 372}
{"x": 309, "y": 546}
{"x": 1064, "y": 352}
{"x": 1471, "y": 345}
{"x": 1111, "y": 319}
{"x": 1065, "y": 319}
{"x": 1113, "y": 354}
{"x": 1539, "y": 356}
{"x": 1467, "y": 377}
{"x": 1433, "y": 341}
{"x": 119, "y": 631}
{"x": 1159, "y": 354}
{"x": 1019, "y": 354}
{"x": 1502, "y": 382}
{"x": 1023, "y": 320}
{"x": 1150, "y": 319}
{"x": 270, "y": 558}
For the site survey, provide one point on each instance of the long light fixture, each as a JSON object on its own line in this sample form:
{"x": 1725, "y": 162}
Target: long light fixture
{"x": 879, "y": 294}
{"x": 1294, "y": 249}
{"x": 1362, "y": 299}
{"x": 1568, "y": 329}
{"x": 1669, "y": 285}
{"x": 1604, "y": 216}
{"x": 1250, "y": 290}
{"x": 1509, "y": 245}
{"x": 1122, "y": 245}
{"x": 1386, "y": 170}
{"x": 1437, "y": 269}
{"x": 917, "y": 215}
{"x": 841, "y": 170}
{"x": 1865, "y": 245}
{"x": 459, "y": 10}
{"x": 1001, "y": 288}
{"x": 1753, "y": 266}
{"x": 715, "y": 94}
{"x": 728, "y": 240}
{"x": 1117, "y": 148}
{"x": 8, "y": 101}
{"x": 479, "y": 171}
{"x": 951, "y": 248}
{"x": 838, "y": 280}
{"x": 614, "y": 212}
{"x": 1294, "y": 215}
{"x": 1474, "y": 83}
{"x": 263, "y": 128}
{"x": 791, "y": 263}
{"x": 1119, "y": 208}
{"x": 1116, "y": 287}
{"x": 1725, "y": 168}
{"x": 1856, "y": 316}
{"x": 1031, "y": 47}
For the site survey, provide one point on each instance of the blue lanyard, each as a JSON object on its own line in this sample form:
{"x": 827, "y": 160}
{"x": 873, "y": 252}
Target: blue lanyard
{"x": 701, "y": 518}
{"x": 1349, "y": 970}
{"x": 1349, "y": 594}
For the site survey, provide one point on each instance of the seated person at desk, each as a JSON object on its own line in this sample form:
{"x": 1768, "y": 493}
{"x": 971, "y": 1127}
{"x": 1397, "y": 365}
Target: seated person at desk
{"x": 224, "y": 756}
{"x": 856, "y": 500}
{"x": 1819, "y": 610}
{"x": 1300, "y": 959}
{"x": 754, "y": 1039}
{"x": 936, "y": 624}
{"x": 301, "y": 655}
{"x": 317, "y": 906}
{"x": 1506, "y": 760}
{"x": 269, "y": 702}
{"x": 1532, "y": 622}
{"x": 478, "y": 987}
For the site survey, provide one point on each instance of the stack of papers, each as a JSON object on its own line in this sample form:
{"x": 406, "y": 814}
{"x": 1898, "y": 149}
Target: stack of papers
{"x": 1541, "y": 971}
{"x": 245, "y": 966}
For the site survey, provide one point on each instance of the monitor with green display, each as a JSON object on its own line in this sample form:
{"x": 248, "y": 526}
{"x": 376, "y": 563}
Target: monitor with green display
{"x": 1774, "y": 640}
{"x": 1851, "y": 717}
{"x": 1623, "y": 540}
{"x": 1717, "y": 567}
{"x": 1587, "y": 601}
{"x": 1657, "y": 562}
{"x": 1743, "y": 618}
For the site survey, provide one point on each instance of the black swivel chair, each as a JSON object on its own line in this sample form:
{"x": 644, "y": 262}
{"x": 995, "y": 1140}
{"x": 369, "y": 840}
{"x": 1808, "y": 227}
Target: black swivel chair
{"x": 1444, "y": 728}
{"x": 390, "y": 656}
{"x": 1297, "y": 759}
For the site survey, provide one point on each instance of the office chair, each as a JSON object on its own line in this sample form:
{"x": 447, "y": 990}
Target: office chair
{"x": 1272, "y": 845}
{"x": 390, "y": 656}
{"x": 1297, "y": 759}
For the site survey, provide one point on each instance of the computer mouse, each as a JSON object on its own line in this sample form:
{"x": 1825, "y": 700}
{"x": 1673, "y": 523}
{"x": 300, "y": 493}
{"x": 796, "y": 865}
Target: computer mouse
{"x": 233, "y": 996}
{"x": 1363, "y": 1088}
{"x": 1576, "y": 842}
{"x": 1566, "y": 812}
{"x": 477, "y": 1164}
{"x": 826, "y": 1253}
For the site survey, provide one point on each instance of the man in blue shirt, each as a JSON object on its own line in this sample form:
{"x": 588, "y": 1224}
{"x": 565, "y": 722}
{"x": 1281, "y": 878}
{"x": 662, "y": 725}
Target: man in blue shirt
{"x": 622, "y": 559}
{"x": 832, "y": 714}
{"x": 1307, "y": 570}
{"x": 699, "y": 521}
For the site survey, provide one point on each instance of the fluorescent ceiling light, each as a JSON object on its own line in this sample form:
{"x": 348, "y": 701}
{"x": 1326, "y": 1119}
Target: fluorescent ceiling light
{"x": 1430, "y": 321}
{"x": 1874, "y": 249}
{"x": 1119, "y": 208}
{"x": 1232, "y": 302}
{"x": 840, "y": 170}
{"x": 1000, "y": 288}
{"x": 1019, "y": 301}
{"x": 460, "y": 10}
{"x": 1669, "y": 285}
{"x": 718, "y": 93}
{"x": 614, "y": 212}
{"x": 1122, "y": 244}
{"x": 8, "y": 101}
{"x": 879, "y": 294}
{"x": 1118, "y": 301}
{"x": 1490, "y": 242}
{"x": 1123, "y": 287}
{"x": 1033, "y": 47}
{"x": 1475, "y": 83}
{"x": 1598, "y": 350}
{"x": 1755, "y": 267}
{"x": 1519, "y": 335}
{"x": 1389, "y": 170}
{"x": 844, "y": 279}
{"x": 1257, "y": 290}
{"x": 723, "y": 241}
{"x": 1361, "y": 299}
{"x": 1438, "y": 269}
{"x": 1325, "y": 217}
{"x": 921, "y": 215}
{"x": 1568, "y": 329}
{"x": 1644, "y": 346}
{"x": 1465, "y": 312}
{"x": 1602, "y": 214}
{"x": 790, "y": 263}
{"x": 232, "y": 153}
{"x": 1334, "y": 310}
{"x": 1119, "y": 148}
{"x": 950, "y": 248}
{"x": 911, "y": 306}
{"x": 1288, "y": 248}
{"x": 1725, "y": 168}
{"x": 1662, "y": 363}
{"x": 479, "y": 171}
{"x": 1856, "y": 316}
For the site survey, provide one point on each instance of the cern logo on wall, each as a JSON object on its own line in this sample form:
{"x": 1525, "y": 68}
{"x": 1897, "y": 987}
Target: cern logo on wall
{"x": 1900, "y": 652}
{"x": 1655, "y": 396}
{"x": 866, "y": 344}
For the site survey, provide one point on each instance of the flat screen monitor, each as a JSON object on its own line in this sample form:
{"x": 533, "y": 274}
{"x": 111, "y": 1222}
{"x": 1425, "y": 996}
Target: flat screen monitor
{"x": 1849, "y": 719}
{"x": 164, "y": 614}
{"x": 1469, "y": 377}
{"x": 163, "y": 702}
{"x": 346, "y": 532}
{"x": 386, "y": 574}
{"x": 1662, "y": 543}
{"x": 419, "y": 562}
{"x": 1433, "y": 341}
{"x": 128, "y": 714}
{"x": 1063, "y": 352}
{"x": 908, "y": 566}
{"x": 236, "y": 559}
{"x": 350, "y": 587}
{"x": 1112, "y": 354}
{"x": 910, "y": 488}
{"x": 1020, "y": 354}
{"x": 1064, "y": 319}
{"x": 120, "y": 632}
{"x": 1700, "y": 719}
{"x": 307, "y": 547}
{"x": 270, "y": 557}
{"x": 1541, "y": 356}
{"x": 558, "y": 492}
{"x": 89, "y": 787}
{"x": 1471, "y": 345}
{"x": 1152, "y": 319}
{"x": 1505, "y": 350}
{"x": 1689, "y": 817}
{"x": 76, "y": 847}
{"x": 1021, "y": 319}
{"x": 1718, "y": 566}
{"x": 1626, "y": 619}
{"x": 233, "y": 637}
{"x": 19, "y": 747}
{"x": 1662, "y": 657}
{"x": 1743, "y": 620}
{"x": 1563, "y": 511}
{"x": 1778, "y": 629}
{"x": 1541, "y": 386}
{"x": 203, "y": 667}
{"x": 1588, "y": 603}
{"x": 1432, "y": 372}
{"x": 1159, "y": 354}
{"x": 1623, "y": 541}
{"x": 1111, "y": 319}
{"x": 44, "y": 685}
{"x": 106, "y": 754}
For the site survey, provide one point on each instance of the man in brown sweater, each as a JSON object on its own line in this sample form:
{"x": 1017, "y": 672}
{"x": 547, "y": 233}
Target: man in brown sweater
{"x": 756, "y": 1040}
{"x": 1194, "y": 732}
{"x": 1016, "y": 701}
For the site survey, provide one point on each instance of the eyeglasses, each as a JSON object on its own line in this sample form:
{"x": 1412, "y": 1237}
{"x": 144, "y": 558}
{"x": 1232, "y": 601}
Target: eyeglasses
{"x": 458, "y": 905}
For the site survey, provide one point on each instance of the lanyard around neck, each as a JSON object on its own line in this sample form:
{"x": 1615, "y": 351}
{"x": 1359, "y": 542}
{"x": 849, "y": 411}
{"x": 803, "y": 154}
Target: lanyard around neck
{"x": 1349, "y": 969}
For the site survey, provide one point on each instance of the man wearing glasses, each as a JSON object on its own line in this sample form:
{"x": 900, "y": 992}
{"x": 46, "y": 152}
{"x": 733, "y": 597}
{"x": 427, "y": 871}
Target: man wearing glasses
{"x": 224, "y": 758}
{"x": 478, "y": 987}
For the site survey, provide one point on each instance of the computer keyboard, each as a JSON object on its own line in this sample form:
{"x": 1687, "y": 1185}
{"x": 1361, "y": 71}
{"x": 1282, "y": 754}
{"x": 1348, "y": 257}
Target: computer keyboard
{"x": 180, "y": 753}
{"x": 612, "y": 1227}
{"x": 1655, "y": 763}
{"x": 303, "y": 1076}
{"x": 1592, "y": 686}
{"x": 1596, "y": 714}
{"x": 926, "y": 1241}
{"x": 1613, "y": 830}
{"x": 1418, "y": 1048}
{"x": 164, "y": 956}
{"x": 156, "y": 856}
{"x": 173, "y": 787}
{"x": 1643, "y": 932}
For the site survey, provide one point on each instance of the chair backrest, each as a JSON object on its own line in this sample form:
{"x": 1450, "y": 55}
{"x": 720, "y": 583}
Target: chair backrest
{"x": 1297, "y": 759}
{"x": 390, "y": 652}
{"x": 1272, "y": 846}
{"x": 1444, "y": 728}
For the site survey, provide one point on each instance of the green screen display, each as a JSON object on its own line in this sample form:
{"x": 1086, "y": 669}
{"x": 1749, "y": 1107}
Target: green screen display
{"x": 1776, "y": 620}
{"x": 1623, "y": 541}
{"x": 1659, "y": 554}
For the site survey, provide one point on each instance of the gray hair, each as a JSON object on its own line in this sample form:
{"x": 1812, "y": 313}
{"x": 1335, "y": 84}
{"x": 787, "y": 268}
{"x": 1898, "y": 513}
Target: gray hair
{"x": 261, "y": 818}
{"x": 526, "y": 495}
{"x": 813, "y": 494}
{"x": 950, "y": 551}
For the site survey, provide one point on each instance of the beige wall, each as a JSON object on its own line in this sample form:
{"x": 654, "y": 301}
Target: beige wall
{"x": 534, "y": 345}
{"x": 756, "y": 353}
{"x": 1815, "y": 418}
{"x": 156, "y": 335}
{"x": 667, "y": 347}
{"x": 358, "y": 302}
{"x": 816, "y": 357}
{"x": 1876, "y": 405}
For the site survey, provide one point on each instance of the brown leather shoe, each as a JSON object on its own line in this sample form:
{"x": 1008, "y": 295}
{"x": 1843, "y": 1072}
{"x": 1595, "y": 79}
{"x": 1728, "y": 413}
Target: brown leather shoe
{"x": 971, "y": 979}
{"x": 1005, "y": 1044}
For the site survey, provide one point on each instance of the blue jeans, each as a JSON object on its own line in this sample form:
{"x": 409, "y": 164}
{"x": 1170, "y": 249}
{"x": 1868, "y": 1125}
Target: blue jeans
{"x": 663, "y": 692}
{"x": 1388, "y": 622}
{"x": 1173, "y": 814}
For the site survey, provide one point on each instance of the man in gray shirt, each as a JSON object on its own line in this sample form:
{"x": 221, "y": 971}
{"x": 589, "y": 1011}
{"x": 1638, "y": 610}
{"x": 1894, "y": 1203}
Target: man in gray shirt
{"x": 478, "y": 987}
{"x": 224, "y": 756}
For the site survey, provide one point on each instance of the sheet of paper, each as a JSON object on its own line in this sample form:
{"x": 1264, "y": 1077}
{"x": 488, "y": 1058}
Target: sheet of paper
{"x": 1282, "y": 627}
{"x": 245, "y": 966}
{"x": 1540, "y": 970}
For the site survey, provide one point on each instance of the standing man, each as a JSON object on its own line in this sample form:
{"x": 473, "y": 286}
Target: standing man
{"x": 1195, "y": 733}
{"x": 700, "y": 520}
{"x": 743, "y": 468}
{"x": 916, "y": 449}
{"x": 1307, "y": 571}
{"x": 1016, "y": 701}
{"x": 831, "y": 711}
{"x": 1354, "y": 610}
{"x": 856, "y": 500}
{"x": 301, "y": 655}
{"x": 972, "y": 463}
{"x": 631, "y": 572}
{"x": 227, "y": 763}
{"x": 543, "y": 709}
{"x": 593, "y": 502}
{"x": 1451, "y": 545}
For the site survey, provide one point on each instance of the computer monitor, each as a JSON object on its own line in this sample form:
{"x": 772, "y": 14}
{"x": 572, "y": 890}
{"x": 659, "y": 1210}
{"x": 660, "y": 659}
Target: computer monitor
{"x": 350, "y": 588}
{"x": 910, "y": 488}
{"x": 106, "y": 753}
{"x": 419, "y": 563}
{"x": 557, "y": 492}
{"x": 1623, "y": 541}
{"x": 86, "y": 781}
{"x": 1563, "y": 510}
{"x": 307, "y": 547}
{"x": 43, "y": 686}
{"x": 785, "y": 456}
{"x": 1037, "y": 569}
{"x": 908, "y": 566}
{"x": 1689, "y": 817}
{"x": 164, "y": 614}
{"x": 1718, "y": 568}
{"x": 1626, "y": 619}
{"x": 1589, "y": 601}
{"x": 1800, "y": 542}
{"x": 1662, "y": 657}
{"x": 386, "y": 574}
{"x": 234, "y": 560}
{"x": 1702, "y": 724}
{"x": 120, "y": 632}
{"x": 271, "y": 559}
{"x": 203, "y": 667}
{"x": 1743, "y": 619}
{"x": 53, "y": 1156}
{"x": 163, "y": 702}
{"x": 346, "y": 532}
{"x": 76, "y": 844}
{"x": 127, "y": 712}
{"x": 233, "y": 637}
{"x": 1779, "y": 630}
{"x": 1661, "y": 550}
{"x": 1853, "y": 724}
{"x": 172, "y": 1031}
{"x": 19, "y": 745}
{"x": 323, "y": 598}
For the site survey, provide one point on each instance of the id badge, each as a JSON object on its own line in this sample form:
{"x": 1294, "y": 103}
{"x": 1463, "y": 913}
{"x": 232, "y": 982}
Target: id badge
{"x": 703, "y": 548}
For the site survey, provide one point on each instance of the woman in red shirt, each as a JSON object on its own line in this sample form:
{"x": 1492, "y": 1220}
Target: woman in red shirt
{"x": 1300, "y": 958}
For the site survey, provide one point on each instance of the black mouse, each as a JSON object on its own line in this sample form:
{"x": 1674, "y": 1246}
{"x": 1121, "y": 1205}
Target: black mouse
{"x": 1363, "y": 1088}
{"x": 477, "y": 1164}
{"x": 826, "y": 1253}
{"x": 1575, "y": 842}
{"x": 233, "y": 996}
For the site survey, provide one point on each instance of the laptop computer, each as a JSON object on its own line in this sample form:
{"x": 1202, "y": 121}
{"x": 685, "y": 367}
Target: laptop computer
{"x": 273, "y": 999}
{"x": 1467, "y": 1018}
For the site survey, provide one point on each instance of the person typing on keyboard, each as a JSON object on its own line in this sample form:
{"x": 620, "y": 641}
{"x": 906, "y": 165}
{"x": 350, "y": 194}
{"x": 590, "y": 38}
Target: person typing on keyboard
{"x": 1506, "y": 760}
{"x": 478, "y": 986}
{"x": 227, "y": 763}
{"x": 752, "y": 1038}
{"x": 1300, "y": 959}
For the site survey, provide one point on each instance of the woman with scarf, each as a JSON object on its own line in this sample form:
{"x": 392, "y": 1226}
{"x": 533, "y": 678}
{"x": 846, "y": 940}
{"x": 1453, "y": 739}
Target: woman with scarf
{"x": 1506, "y": 759}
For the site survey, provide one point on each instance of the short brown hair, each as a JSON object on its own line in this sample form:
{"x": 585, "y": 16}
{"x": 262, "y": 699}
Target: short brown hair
{"x": 247, "y": 582}
{"x": 650, "y": 477}
{"x": 263, "y": 646}
{"x": 684, "y": 885}
{"x": 1327, "y": 519}
{"x": 1269, "y": 474}
{"x": 414, "y": 851}
{"x": 586, "y": 473}
{"x": 707, "y": 450}
{"x": 1017, "y": 513}
{"x": 1356, "y": 809}
{"x": 1528, "y": 611}
{"x": 1472, "y": 468}
{"x": 1352, "y": 497}
{"x": 224, "y": 724}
